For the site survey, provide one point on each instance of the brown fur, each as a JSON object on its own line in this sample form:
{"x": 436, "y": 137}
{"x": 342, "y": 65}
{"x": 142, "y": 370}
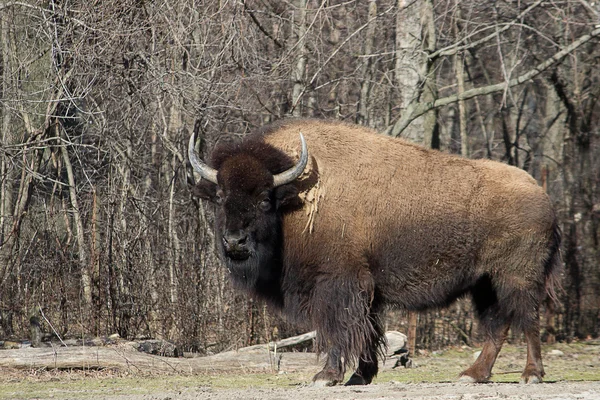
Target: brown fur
{"x": 394, "y": 223}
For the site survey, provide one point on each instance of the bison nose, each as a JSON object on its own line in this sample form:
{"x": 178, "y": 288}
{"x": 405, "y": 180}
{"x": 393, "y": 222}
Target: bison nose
{"x": 235, "y": 241}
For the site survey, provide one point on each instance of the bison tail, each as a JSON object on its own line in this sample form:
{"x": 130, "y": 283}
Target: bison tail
{"x": 553, "y": 266}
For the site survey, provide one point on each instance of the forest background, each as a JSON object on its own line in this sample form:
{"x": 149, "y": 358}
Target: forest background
{"x": 98, "y": 228}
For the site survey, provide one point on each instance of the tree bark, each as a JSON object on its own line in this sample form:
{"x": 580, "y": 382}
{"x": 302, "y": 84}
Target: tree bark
{"x": 414, "y": 75}
{"x": 301, "y": 57}
{"x": 459, "y": 69}
{"x": 362, "y": 116}
{"x": 86, "y": 282}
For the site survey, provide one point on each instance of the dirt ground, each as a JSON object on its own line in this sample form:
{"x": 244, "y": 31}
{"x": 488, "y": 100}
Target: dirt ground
{"x": 430, "y": 391}
{"x": 572, "y": 373}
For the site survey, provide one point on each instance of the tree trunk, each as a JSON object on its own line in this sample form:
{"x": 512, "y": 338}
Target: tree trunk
{"x": 86, "y": 282}
{"x": 414, "y": 75}
{"x": 301, "y": 57}
{"x": 462, "y": 112}
{"x": 362, "y": 116}
{"x": 459, "y": 69}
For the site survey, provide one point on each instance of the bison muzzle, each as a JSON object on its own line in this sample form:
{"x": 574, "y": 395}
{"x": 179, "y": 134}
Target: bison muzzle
{"x": 362, "y": 221}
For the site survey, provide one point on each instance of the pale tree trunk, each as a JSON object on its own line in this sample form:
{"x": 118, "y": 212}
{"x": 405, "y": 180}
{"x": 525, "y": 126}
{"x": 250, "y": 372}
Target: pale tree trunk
{"x": 156, "y": 327}
{"x": 301, "y": 57}
{"x": 362, "y": 116}
{"x": 414, "y": 75}
{"x": 173, "y": 241}
{"x": 429, "y": 44}
{"x": 86, "y": 282}
{"x": 172, "y": 123}
{"x": 459, "y": 70}
{"x": 462, "y": 111}
{"x": 123, "y": 238}
{"x": 173, "y": 127}
{"x": 406, "y": 70}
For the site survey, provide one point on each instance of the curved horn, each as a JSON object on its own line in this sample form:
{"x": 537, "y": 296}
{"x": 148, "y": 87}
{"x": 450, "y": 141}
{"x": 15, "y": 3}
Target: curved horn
{"x": 206, "y": 172}
{"x": 294, "y": 172}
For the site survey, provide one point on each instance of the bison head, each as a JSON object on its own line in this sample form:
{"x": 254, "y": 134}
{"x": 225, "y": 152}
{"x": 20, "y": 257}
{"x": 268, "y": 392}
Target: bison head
{"x": 250, "y": 183}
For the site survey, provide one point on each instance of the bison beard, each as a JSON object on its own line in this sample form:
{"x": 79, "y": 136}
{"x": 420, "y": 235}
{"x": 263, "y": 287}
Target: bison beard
{"x": 260, "y": 272}
{"x": 380, "y": 222}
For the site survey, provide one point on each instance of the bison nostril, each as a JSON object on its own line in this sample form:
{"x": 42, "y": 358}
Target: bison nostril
{"x": 231, "y": 240}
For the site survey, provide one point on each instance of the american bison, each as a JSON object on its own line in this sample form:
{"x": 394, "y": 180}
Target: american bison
{"x": 362, "y": 221}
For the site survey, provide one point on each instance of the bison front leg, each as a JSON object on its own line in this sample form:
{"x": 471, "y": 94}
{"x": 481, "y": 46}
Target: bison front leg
{"x": 348, "y": 328}
{"x": 333, "y": 371}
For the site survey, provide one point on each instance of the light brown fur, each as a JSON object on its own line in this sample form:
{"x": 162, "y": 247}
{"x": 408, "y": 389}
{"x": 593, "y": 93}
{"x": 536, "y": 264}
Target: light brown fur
{"x": 369, "y": 182}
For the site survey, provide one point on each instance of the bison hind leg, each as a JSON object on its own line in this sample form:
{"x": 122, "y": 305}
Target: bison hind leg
{"x": 495, "y": 322}
{"x": 499, "y": 307}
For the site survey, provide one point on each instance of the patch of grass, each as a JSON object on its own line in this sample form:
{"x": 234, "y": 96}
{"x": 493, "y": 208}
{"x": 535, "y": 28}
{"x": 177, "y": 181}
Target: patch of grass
{"x": 83, "y": 387}
{"x": 578, "y": 362}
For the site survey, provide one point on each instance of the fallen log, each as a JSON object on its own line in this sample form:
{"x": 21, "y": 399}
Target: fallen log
{"x": 396, "y": 341}
{"x": 125, "y": 357}
{"x": 281, "y": 344}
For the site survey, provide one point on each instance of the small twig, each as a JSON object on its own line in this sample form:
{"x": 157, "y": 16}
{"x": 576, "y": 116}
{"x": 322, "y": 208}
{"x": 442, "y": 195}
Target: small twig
{"x": 50, "y": 324}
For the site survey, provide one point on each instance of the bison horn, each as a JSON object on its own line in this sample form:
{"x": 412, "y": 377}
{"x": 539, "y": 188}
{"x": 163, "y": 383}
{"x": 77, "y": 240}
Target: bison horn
{"x": 206, "y": 172}
{"x": 294, "y": 172}
{"x": 210, "y": 174}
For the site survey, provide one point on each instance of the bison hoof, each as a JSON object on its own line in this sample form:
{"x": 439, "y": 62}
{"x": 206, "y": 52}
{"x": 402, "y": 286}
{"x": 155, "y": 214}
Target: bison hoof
{"x": 356, "y": 379}
{"x": 466, "y": 379}
{"x": 322, "y": 383}
{"x": 531, "y": 374}
{"x": 327, "y": 378}
{"x": 531, "y": 379}
{"x": 470, "y": 376}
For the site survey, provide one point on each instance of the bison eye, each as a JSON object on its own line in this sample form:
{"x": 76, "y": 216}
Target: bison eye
{"x": 265, "y": 205}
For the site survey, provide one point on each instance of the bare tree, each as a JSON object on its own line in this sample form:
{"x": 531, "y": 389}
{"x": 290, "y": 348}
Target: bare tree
{"x": 98, "y": 223}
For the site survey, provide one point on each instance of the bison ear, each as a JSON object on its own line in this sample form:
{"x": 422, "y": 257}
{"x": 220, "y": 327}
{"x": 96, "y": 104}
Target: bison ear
{"x": 205, "y": 190}
{"x": 287, "y": 196}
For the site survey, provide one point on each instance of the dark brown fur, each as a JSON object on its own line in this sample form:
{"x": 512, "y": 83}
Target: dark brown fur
{"x": 378, "y": 221}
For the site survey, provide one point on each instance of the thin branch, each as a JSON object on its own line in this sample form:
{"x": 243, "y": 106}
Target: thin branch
{"x": 456, "y": 47}
{"x": 334, "y": 53}
{"x": 259, "y": 25}
{"x": 415, "y": 109}
{"x": 51, "y": 326}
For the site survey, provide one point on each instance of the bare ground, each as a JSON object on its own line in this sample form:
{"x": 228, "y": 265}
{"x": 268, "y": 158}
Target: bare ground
{"x": 429, "y": 391}
{"x": 573, "y": 373}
